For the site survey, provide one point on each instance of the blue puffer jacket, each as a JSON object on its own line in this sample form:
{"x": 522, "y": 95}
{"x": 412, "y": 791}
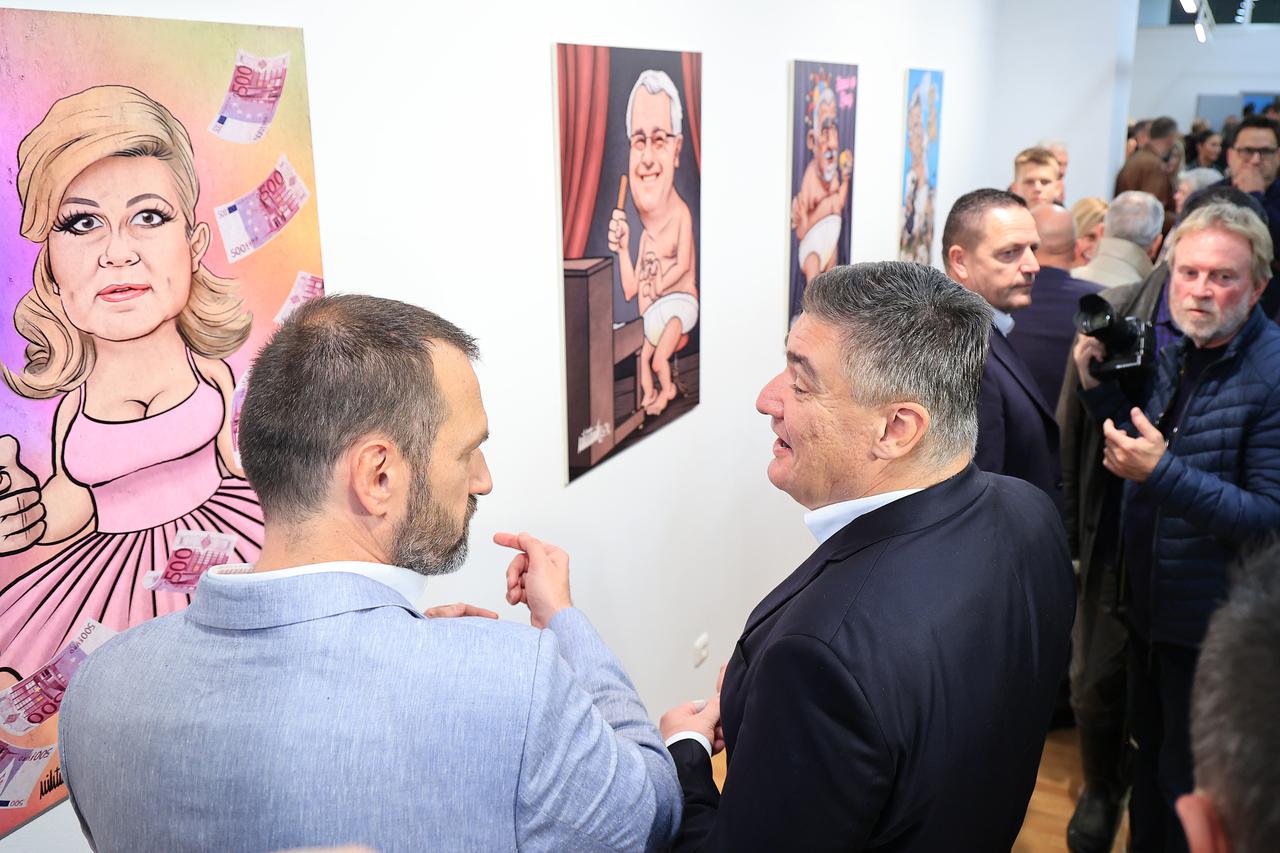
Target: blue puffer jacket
{"x": 1218, "y": 485}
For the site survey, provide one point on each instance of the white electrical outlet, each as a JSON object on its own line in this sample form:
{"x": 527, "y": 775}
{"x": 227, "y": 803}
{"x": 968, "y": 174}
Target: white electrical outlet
{"x": 701, "y": 647}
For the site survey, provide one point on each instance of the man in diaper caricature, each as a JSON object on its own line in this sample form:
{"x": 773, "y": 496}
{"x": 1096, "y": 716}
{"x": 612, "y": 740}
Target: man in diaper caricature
{"x": 816, "y": 213}
{"x": 663, "y": 271}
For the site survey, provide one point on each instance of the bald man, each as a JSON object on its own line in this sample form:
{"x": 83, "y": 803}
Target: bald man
{"x": 1042, "y": 336}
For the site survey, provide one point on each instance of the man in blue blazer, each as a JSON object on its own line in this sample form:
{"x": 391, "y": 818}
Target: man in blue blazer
{"x": 989, "y": 244}
{"x": 306, "y": 700}
{"x": 893, "y": 692}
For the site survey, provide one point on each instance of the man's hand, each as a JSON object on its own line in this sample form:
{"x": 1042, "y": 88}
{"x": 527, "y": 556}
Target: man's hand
{"x": 689, "y": 717}
{"x": 1084, "y": 352}
{"x": 1133, "y": 458}
{"x": 619, "y": 232}
{"x": 538, "y": 577}
{"x": 1249, "y": 179}
{"x": 445, "y": 611}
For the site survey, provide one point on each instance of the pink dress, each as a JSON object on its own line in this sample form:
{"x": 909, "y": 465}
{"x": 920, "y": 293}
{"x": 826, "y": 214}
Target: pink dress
{"x": 149, "y": 479}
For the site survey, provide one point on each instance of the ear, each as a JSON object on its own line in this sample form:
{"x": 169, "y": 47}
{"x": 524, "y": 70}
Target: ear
{"x": 956, "y": 262}
{"x": 199, "y": 242}
{"x": 1154, "y": 249}
{"x": 679, "y": 145}
{"x": 375, "y": 476}
{"x": 1200, "y": 822}
{"x": 905, "y": 424}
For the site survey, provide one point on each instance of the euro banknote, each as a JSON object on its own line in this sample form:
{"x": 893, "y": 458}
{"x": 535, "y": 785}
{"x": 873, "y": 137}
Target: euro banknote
{"x": 253, "y": 95}
{"x": 192, "y": 554}
{"x": 36, "y": 698}
{"x": 254, "y": 219}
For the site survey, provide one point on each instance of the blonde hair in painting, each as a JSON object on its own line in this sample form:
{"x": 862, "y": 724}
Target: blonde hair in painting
{"x": 78, "y": 131}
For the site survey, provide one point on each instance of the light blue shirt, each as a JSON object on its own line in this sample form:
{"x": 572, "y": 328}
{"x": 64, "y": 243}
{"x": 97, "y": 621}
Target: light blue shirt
{"x": 1003, "y": 321}
{"x": 825, "y": 521}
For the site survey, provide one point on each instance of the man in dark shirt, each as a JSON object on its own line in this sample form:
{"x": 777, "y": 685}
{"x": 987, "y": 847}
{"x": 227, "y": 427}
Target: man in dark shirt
{"x": 1202, "y": 472}
{"x": 1254, "y": 160}
{"x": 1145, "y": 168}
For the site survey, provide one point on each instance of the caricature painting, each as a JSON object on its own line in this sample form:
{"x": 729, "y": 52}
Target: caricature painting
{"x": 157, "y": 218}
{"x": 630, "y": 165}
{"x": 824, "y": 104}
{"x": 920, "y": 165}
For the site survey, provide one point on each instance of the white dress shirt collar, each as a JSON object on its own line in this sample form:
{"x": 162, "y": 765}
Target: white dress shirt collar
{"x": 410, "y": 584}
{"x": 825, "y": 521}
{"x": 1003, "y": 321}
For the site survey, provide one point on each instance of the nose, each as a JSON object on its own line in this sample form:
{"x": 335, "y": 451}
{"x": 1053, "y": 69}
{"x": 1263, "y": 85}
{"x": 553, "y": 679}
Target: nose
{"x": 481, "y": 480}
{"x": 1030, "y": 266}
{"x": 118, "y": 252}
{"x": 769, "y": 401}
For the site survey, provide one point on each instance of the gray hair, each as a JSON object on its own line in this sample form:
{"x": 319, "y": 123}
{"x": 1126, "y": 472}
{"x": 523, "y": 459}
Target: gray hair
{"x": 1241, "y": 221}
{"x": 658, "y": 82}
{"x": 909, "y": 333}
{"x": 1199, "y": 178}
{"x": 1235, "y": 703}
{"x": 339, "y": 368}
{"x": 1134, "y": 216}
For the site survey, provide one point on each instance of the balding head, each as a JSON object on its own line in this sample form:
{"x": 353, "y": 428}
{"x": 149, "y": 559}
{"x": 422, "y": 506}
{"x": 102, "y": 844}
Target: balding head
{"x": 1057, "y": 229}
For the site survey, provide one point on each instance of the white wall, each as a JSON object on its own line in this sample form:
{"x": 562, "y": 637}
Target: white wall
{"x": 1171, "y": 68}
{"x": 432, "y": 195}
{"x": 1061, "y": 71}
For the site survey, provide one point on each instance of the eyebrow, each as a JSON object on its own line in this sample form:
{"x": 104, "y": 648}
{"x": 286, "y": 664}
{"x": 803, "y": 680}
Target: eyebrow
{"x": 143, "y": 197}
{"x": 803, "y": 364}
{"x": 86, "y": 202}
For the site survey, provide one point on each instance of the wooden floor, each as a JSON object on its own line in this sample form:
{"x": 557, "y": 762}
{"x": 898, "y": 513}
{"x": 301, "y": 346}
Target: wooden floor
{"x": 1057, "y": 786}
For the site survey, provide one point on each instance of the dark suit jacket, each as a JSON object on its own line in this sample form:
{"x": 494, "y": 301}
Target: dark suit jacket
{"x": 1043, "y": 331}
{"x": 1017, "y": 434}
{"x": 894, "y": 692}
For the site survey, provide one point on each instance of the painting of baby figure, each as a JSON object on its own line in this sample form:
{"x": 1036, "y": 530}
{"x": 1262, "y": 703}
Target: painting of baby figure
{"x": 630, "y": 166}
{"x": 155, "y": 224}
{"x": 824, "y": 109}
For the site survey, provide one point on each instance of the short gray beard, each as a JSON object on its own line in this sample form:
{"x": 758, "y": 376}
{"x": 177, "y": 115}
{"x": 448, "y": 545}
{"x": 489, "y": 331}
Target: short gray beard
{"x": 426, "y": 540}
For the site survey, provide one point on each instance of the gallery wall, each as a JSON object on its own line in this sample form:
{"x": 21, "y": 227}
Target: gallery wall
{"x": 1171, "y": 68}
{"x": 436, "y": 184}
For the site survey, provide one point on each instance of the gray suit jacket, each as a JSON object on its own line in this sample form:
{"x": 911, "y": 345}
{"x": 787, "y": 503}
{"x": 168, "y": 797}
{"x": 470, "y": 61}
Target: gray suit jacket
{"x": 322, "y": 710}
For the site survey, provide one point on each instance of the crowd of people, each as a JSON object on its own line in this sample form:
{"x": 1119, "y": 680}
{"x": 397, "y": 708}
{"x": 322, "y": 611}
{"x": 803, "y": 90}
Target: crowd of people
{"x": 1094, "y": 386}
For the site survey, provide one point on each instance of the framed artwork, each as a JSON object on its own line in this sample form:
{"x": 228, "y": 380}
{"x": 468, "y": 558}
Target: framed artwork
{"x": 630, "y": 176}
{"x": 824, "y": 101}
{"x": 159, "y": 218}
{"x": 920, "y": 165}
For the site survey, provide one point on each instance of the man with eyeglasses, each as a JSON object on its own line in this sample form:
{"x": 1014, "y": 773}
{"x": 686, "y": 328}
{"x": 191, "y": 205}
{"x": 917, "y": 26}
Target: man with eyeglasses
{"x": 665, "y": 268}
{"x": 1254, "y": 161}
{"x": 817, "y": 211}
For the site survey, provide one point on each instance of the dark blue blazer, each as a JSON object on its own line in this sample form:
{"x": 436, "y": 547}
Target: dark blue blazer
{"x": 1043, "y": 331}
{"x": 893, "y": 693}
{"x": 1017, "y": 434}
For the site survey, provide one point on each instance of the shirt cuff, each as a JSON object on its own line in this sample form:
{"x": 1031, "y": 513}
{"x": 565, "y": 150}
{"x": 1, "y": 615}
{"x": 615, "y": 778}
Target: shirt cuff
{"x": 698, "y": 736}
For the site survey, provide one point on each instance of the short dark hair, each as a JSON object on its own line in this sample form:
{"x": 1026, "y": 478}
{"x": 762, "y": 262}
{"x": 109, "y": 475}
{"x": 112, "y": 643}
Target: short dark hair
{"x": 961, "y": 228}
{"x": 1262, "y": 122}
{"x": 1162, "y": 128}
{"x": 1236, "y": 702}
{"x": 1222, "y": 193}
{"x": 1139, "y": 126}
{"x": 897, "y": 322}
{"x": 339, "y": 368}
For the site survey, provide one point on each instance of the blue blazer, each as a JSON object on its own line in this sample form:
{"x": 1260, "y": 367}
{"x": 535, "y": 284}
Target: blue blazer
{"x": 1043, "y": 331}
{"x": 321, "y": 709}
{"x": 1017, "y": 433}
{"x": 893, "y": 693}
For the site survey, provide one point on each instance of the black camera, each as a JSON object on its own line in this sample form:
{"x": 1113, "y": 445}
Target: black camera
{"x": 1129, "y": 341}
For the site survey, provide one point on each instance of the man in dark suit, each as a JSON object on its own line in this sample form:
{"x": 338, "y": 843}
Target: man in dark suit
{"x": 989, "y": 245}
{"x": 894, "y": 691}
{"x": 1045, "y": 329}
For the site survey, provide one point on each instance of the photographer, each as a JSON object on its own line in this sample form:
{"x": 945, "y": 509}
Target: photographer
{"x": 1091, "y": 498}
{"x": 1201, "y": 467}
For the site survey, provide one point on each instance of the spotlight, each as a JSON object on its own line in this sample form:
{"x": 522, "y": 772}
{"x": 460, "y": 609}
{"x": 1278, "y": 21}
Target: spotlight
{"x": 1189, "y": 6}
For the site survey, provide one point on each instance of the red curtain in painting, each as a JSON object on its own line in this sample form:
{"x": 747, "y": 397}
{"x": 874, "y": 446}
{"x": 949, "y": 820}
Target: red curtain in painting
{"x": 691, "y": 64}
{"x": 584, "y": 106}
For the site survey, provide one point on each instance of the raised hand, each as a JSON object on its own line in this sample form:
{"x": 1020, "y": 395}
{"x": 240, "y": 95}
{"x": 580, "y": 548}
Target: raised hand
{"x": 537, "y": 577}
{"x": 619, "y": 232}
{"x": 21, "y": 509}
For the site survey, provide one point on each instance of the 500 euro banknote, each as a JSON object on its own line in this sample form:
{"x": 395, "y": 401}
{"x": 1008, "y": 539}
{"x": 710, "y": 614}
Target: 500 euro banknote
{"x": 36, "y": 698}
{"x": 19, "y": 770}
{"x": 253, "y": 95}
{"x": 193, "y": 553}
{"x": 251, "y": 221}
{"x": 305, "y": 288}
